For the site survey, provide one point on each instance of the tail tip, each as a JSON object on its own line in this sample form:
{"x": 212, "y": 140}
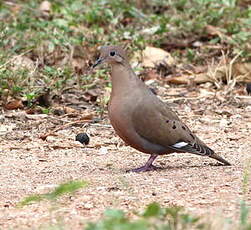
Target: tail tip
{"x": 220, "y": 159}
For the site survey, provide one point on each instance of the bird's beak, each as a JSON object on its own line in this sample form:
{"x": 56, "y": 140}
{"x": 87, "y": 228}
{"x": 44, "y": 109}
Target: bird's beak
{"x": 99, "y": 61}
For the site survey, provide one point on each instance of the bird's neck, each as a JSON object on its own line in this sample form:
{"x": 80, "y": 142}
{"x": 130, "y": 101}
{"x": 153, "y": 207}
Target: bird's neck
{"x": 124, "y": 80}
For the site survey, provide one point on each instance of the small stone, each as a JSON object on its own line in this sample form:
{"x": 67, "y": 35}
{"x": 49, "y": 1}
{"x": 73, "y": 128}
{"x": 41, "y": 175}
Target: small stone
{"x": 103, "y": 151}
{"x": 51, "y": 139}
{"x": 83, "y": 138}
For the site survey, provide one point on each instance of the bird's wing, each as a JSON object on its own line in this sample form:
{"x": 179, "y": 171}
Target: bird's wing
{"x": 158, "y": 124}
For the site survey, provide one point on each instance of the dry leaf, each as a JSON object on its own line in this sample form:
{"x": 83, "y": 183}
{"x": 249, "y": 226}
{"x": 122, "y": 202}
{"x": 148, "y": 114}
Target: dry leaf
{"x": 69, "y": 110}
{"x": 87, "y": 115}
{"x": 15, "y": 104}
{"x": 242, "y": 71}
{"x": 188, "y": 79}
{"x": 154, "y": 56}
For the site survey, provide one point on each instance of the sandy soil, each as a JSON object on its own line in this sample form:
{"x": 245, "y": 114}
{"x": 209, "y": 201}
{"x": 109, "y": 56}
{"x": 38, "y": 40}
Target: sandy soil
{"x": 30, "y": 165}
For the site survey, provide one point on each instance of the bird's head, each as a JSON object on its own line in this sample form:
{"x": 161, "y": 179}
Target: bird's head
{"x": 111, "y": 55}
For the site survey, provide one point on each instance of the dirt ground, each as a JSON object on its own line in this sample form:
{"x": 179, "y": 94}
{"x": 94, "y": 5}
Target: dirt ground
{"x": 31, "y": 165}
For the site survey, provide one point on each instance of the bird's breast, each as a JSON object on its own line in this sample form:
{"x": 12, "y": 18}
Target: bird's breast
{"x": 121, "y": 119}
{"x": 120, "y": 114}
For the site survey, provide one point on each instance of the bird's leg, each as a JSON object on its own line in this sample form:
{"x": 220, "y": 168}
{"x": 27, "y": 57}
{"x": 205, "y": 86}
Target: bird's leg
{"x": 148, "y": 166}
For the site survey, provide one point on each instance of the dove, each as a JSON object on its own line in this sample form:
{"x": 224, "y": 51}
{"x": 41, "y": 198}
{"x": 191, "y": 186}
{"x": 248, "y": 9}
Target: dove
{"x": 141, "y": 119}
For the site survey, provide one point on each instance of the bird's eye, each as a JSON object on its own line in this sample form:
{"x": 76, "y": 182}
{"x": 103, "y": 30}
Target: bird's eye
{"x": 112, "y": 53}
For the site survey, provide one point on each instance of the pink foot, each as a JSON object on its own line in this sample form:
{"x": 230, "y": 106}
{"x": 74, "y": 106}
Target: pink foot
{"x": 144, "y": 168}
{"x": 147, "y": 167}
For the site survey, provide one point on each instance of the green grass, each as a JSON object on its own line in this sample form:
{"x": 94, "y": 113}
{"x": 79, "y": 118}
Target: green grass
{"x": 75, "y": 28}
{"x": 152, "y": 217}
{"x": 156, "y": 217}
{"x": 66, "y": 188}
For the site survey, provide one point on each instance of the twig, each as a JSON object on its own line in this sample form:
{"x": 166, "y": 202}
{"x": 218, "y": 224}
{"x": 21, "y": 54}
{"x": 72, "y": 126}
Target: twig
{"x": 100, "y": 125}
{"x": 53, "y": 132}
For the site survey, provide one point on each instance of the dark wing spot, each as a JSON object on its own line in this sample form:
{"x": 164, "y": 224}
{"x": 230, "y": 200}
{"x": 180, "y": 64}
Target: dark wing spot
{"x": 183, "y": 127}
{"x": 174, "y": 127}
{"x": 192, "y": 135}
{"x": 167, "y": 121}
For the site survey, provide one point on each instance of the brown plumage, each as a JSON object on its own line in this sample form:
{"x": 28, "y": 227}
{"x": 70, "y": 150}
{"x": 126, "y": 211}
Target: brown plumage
{"x": 141, "y": 119}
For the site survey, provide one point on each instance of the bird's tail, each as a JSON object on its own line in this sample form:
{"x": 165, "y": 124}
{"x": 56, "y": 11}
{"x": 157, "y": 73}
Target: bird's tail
{"x": 220, "y": 159}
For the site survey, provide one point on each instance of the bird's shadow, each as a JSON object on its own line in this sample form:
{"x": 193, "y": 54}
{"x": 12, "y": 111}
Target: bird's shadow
{"x": 182, "y": 167}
